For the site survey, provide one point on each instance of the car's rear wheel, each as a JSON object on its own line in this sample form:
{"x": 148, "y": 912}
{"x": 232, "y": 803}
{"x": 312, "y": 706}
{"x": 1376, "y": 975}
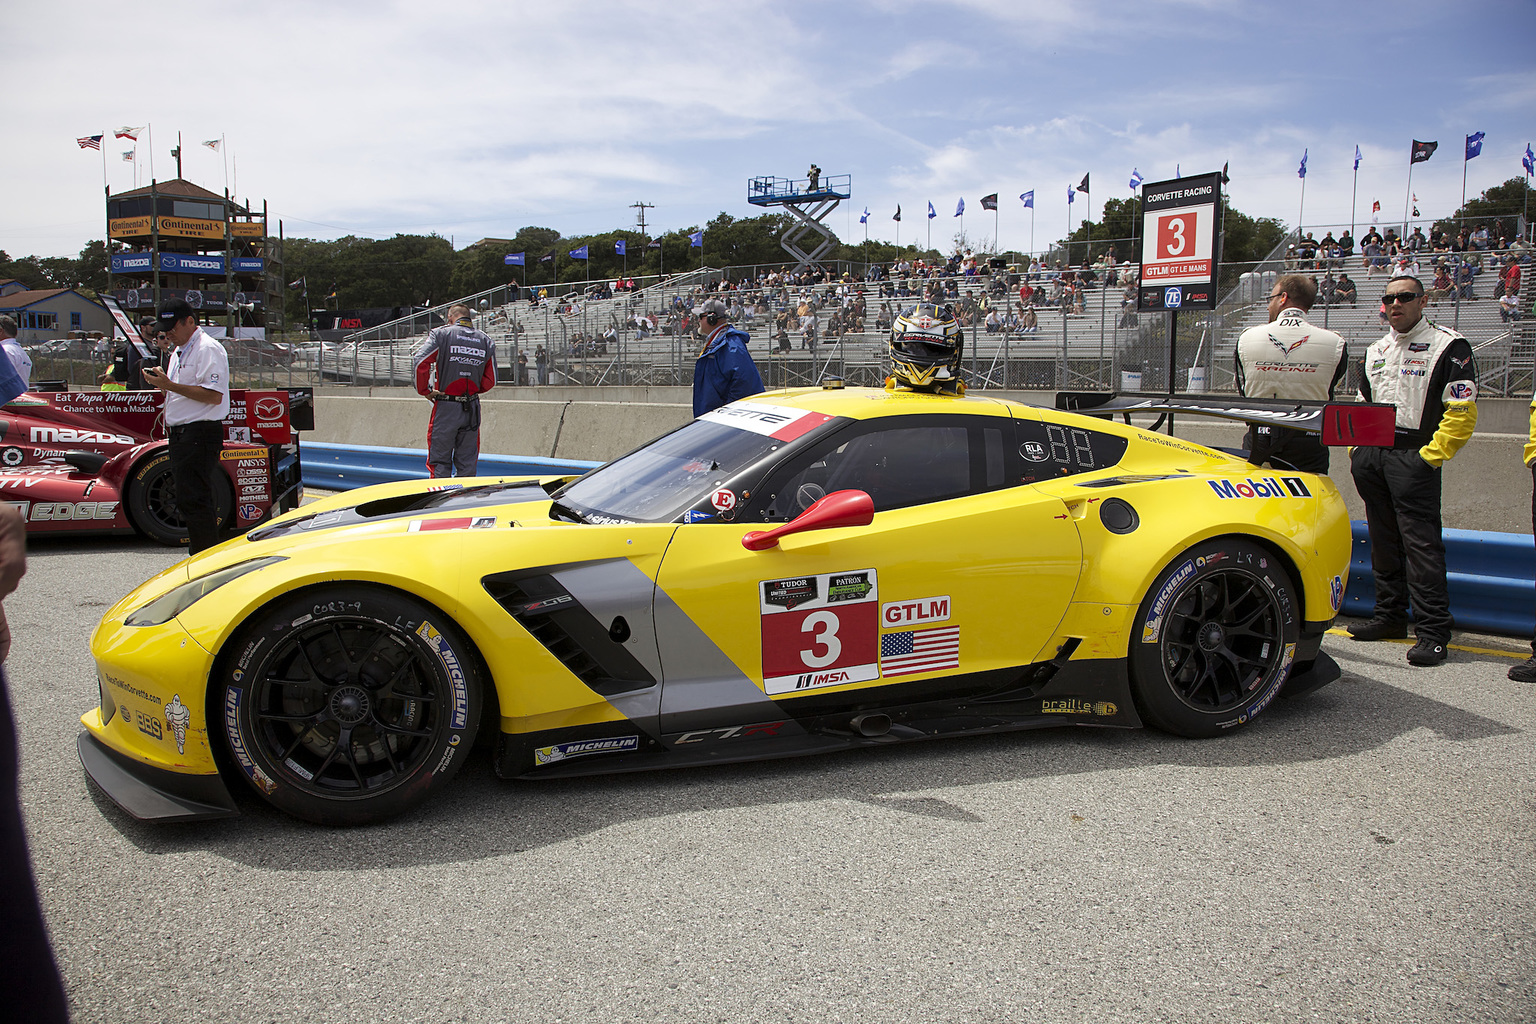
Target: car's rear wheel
{"x": 346, "y": 706}
{"x": 1215, "y": 638}
{"x": 152, "y": 500}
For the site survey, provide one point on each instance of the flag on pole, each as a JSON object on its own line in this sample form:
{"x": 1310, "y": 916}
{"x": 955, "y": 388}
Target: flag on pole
{"x": 865, "y": 219}
{"x": 1176, "y": 173}
{"x": 1136, "y": 179}
{"x": 897, "y": 218}
{"x": 1071, "y": 195}
{"x": 696, "y": 239}
{"x": 932, "y": 213}
{"x": 654, "y": 243}
{"x": 1083, "y": 185}
{"x": 1301, "y": 172}
{"x": 1475, "y": 144}
{"x": 128, "y": 155}
{"x": 515, "y": 259}
{"x": 1422, "y": 151}
{"x": 1357, "y": 158}
{"x": 619, "y": 248}
{"x": 1376, "y": 206}
{"x": 1529, "y": 160}
{"x": 960, "y": 207}
{"x": 1224, "y": 176}
{"x": 989, "y": 202}
{"x": 548, "y": 257}
{"x": 89, "y": 141}
{"x": 126, "y": 132}
{"x": 296, "y": 284}
{"x": 1028, "y": 199}
{"x": 1415, "y": 203}
{"x": 579, "y": 253}
{"x": 212, "y": 144}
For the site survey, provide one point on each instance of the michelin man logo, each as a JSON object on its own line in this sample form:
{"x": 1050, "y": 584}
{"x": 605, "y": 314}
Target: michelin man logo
{"x": 178, "y": 718}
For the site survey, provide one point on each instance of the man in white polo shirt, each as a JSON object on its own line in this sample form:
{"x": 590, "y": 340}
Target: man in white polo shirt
{"x": 196, "y": 386}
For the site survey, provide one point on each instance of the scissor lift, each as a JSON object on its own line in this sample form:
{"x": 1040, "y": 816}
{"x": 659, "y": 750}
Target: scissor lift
{"x": 809, "y": 207}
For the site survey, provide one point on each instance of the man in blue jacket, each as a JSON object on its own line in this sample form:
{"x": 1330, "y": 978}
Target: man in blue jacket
{"x": 725, "y": 370}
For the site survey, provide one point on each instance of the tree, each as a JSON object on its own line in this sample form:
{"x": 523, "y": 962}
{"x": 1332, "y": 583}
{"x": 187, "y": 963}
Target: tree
{"x": 1506, "y": 202}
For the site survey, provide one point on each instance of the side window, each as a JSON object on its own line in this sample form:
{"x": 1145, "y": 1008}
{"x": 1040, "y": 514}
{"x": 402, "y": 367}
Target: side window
{"x": 897, "y": 462}
{"x": 1050, "y": 450}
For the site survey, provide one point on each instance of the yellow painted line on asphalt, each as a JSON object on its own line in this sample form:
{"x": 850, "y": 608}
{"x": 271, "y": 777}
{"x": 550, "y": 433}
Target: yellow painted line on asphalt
{"x": 1517, "y": 655}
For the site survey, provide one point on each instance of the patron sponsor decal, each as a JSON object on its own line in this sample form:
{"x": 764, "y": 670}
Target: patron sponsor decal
{"x": 582, "y": 748}
{"x": 810, "y": 641}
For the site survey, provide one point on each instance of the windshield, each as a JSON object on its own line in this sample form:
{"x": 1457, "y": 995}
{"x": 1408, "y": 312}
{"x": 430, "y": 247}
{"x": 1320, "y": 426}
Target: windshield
{"x": 672, "y": 474}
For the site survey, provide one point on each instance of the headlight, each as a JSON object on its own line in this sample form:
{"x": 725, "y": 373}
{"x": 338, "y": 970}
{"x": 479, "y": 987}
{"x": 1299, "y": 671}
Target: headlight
{"x": 166, "y": 607}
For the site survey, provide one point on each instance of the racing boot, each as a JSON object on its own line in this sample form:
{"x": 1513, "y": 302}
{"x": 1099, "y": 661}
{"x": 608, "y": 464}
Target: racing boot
{"x": 1426, "y": 652}
{"x": 1379, "y": 629}
{"x": 1525, "y": 672}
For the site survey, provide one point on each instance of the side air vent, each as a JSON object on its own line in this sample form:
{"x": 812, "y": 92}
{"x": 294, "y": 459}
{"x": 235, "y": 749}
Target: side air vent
{"x": 591, "y": 651}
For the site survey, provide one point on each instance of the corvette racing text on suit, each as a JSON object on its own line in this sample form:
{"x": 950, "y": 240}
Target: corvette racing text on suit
{"x": 1289, "y": 358}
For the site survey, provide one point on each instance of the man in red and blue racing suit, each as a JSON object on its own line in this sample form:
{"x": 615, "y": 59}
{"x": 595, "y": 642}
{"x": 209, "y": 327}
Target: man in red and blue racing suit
{"x": 454, "y": 367}
{"x": 1426, "y": 371}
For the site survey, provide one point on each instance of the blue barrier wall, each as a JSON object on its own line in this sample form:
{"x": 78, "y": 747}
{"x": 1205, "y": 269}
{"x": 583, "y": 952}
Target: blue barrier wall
{"x": 1491, "y": 577}
{"x": 341, "y": 467}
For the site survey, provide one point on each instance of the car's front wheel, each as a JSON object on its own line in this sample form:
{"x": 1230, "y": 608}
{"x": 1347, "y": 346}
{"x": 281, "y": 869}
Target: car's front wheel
{"x": 345, "y": 706}
{"x": 1215, "y": 638}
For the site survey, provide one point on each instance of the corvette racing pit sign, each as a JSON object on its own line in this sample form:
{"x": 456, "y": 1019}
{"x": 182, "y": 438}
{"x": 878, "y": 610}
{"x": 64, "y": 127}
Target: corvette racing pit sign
{"x": 1181, "y": 223}
{"x": 820, "y": 630}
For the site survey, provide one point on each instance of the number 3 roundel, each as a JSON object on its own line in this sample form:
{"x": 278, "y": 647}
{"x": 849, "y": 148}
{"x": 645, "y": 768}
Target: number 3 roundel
{"x": 820, "y": 630}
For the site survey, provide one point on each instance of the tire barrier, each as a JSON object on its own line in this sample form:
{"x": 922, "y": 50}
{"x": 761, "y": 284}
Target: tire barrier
{"x": 341, "y": 467}
{"x": 1491, "y": 580}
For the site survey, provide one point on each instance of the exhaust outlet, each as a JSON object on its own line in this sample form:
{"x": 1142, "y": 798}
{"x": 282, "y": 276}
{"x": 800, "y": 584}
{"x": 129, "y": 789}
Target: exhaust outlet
{"x": 871, "y": 725}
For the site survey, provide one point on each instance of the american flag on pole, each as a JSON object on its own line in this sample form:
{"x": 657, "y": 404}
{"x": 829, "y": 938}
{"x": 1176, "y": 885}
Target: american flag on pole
{"x": 89, "y": 141}
{"x": 919, "y": 650}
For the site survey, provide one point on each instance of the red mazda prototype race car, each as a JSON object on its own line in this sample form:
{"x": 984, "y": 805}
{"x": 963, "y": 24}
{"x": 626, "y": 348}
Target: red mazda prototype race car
{"x": 96, "y": 461}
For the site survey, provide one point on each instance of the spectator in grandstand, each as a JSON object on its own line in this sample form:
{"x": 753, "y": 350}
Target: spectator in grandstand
{"x": 1480, "y": 241}
{"x": 13, "y": 350}
{"x": 541, "y": 365}
{"x": 994, "y": 323}
{"x": 1375, "y": 254}
{"x": 1509, "y": 307}
{"x": 1327, "y": 289}
{"x": 1289, "y": 358}
{"x": 1029, "y": 321}
{"x": 1428, "y": 373}
{"x": 883, "y": 317}
{"x": 522, "y": 368}
{"x": 724, "y": 370}
{"x": 1442, "y": 284}
{"x": 1416, "y": 241}
{"x": 1346, "y": 245}
{"x": 1509, "y": 277}
{"x": 1466, "y": 275}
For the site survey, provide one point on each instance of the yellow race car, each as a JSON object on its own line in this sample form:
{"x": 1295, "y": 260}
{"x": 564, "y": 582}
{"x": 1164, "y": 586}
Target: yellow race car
{"x": 798, "y": 572}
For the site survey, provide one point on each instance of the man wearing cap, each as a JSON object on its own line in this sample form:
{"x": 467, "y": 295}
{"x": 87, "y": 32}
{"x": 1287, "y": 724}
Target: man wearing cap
{"x": 724, "y": 371}
{"x": 455, "y": 365}
{"x": 13, "y": 350}
{"x": 196, "y": 386}
{"x": 127, "y": 370}
{"x": 1289, "y": 358}
{"x": 1426, "y": 371}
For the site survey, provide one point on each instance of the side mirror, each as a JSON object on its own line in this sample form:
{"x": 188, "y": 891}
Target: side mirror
{"x": 840, "y": 508}
{"x": 1358, "y": 423}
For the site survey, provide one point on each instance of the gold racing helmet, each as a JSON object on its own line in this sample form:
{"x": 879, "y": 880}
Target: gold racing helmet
{"x": 926, "y": 346}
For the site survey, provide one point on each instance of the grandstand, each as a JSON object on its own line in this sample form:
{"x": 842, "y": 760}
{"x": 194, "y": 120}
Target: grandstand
{"x": 594, "y": 340}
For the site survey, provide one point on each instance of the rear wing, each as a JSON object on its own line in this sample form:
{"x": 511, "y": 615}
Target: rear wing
{"x": 1339, "y": 423}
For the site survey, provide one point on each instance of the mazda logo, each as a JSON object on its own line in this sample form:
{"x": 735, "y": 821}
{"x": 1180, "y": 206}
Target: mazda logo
{"x": 269, "y": 409}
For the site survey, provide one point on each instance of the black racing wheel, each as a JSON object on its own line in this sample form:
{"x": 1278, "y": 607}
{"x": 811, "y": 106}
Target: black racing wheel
{"x": 151, "y": 500}
{"x": 1215, "y": 638}
{"x": 346, "y": 706}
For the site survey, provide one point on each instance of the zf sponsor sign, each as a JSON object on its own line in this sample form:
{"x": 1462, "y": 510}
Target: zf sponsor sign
{"x": 1181, "y": 221}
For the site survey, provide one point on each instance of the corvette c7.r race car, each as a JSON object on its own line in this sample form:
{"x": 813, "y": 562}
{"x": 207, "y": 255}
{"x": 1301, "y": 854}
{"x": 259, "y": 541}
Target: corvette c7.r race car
{"x": 96, "y": 461}
{"x": 801, "y": 571}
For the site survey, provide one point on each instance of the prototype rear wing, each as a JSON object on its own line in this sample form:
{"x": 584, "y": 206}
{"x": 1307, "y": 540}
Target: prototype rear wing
{"x": 1339, "y": 423}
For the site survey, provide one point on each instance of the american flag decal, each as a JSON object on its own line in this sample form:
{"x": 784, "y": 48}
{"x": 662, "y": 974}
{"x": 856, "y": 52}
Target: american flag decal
{"x": 919, "y": 650}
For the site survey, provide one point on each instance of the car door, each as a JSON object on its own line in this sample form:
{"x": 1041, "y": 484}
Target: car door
{"x": 959, "y": 581}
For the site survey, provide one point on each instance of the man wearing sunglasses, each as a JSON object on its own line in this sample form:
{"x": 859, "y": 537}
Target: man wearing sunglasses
{"x": 1289, "y": 358}
{"x": 1426, "y": 371}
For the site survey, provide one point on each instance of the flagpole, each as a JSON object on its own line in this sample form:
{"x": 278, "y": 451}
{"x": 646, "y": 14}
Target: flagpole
{"x": 1463, "y": 209}
{"x": 1408, "y": 194}
{"x": 1031, "y": 228}
{"x": 224, "y": 152}
{"x": 150, "y": 128}
{"x": 1301, "y": 211}
{"x": 997, "y": 240}
{"x": 1355, "y": 188}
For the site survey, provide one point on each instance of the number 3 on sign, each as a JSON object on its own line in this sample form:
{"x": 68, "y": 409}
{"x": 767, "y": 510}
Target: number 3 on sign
{"x": 1174, "y": 236}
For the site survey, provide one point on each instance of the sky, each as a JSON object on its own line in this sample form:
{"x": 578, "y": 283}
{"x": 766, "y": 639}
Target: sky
{"x": 473, "y": 119}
